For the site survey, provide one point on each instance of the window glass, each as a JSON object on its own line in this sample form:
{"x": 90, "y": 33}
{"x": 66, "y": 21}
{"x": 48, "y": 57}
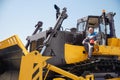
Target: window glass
{"x": 81, "y": 26}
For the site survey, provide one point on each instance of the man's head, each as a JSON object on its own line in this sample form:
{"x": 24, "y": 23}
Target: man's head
{"x": 91, "y": 30}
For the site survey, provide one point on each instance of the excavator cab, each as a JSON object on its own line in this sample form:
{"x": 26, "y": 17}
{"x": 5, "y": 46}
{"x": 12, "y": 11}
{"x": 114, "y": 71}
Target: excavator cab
{"x": 86, "y": 22}
{"x": 103, "y": 25}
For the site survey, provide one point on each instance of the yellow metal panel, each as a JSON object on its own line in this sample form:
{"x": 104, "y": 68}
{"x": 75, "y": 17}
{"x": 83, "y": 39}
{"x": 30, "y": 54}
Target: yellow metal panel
{"x": 114, "y": 42}
{"x": 114, "y": 79}
{"x": 74, "y": 53}
{"x": 113, "y": 48}
{"x": 118, "y": 43}
{"x": 108, "y": 50}
{"x": 8, "y": 42}
{"x": 11, "y": 41}
{"x": 31, "y": 66}
{"x": 58, "y": 79}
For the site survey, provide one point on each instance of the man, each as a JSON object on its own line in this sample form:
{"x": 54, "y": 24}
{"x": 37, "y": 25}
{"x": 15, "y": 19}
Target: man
{"x": 89, "y": 39}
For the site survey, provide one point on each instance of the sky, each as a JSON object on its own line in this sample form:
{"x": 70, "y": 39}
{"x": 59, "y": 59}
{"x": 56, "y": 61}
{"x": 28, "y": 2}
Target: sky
{"x": 20, "y": 16}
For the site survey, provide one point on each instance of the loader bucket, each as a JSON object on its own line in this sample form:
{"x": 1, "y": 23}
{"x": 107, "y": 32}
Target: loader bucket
{"x": 11, "y": 51}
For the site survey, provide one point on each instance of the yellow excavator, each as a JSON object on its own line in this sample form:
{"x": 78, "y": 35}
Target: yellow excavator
{"x": 58, "y": 54}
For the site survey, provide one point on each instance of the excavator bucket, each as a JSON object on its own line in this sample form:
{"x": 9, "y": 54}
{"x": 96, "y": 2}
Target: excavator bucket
{"x": 11, "y": 51}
